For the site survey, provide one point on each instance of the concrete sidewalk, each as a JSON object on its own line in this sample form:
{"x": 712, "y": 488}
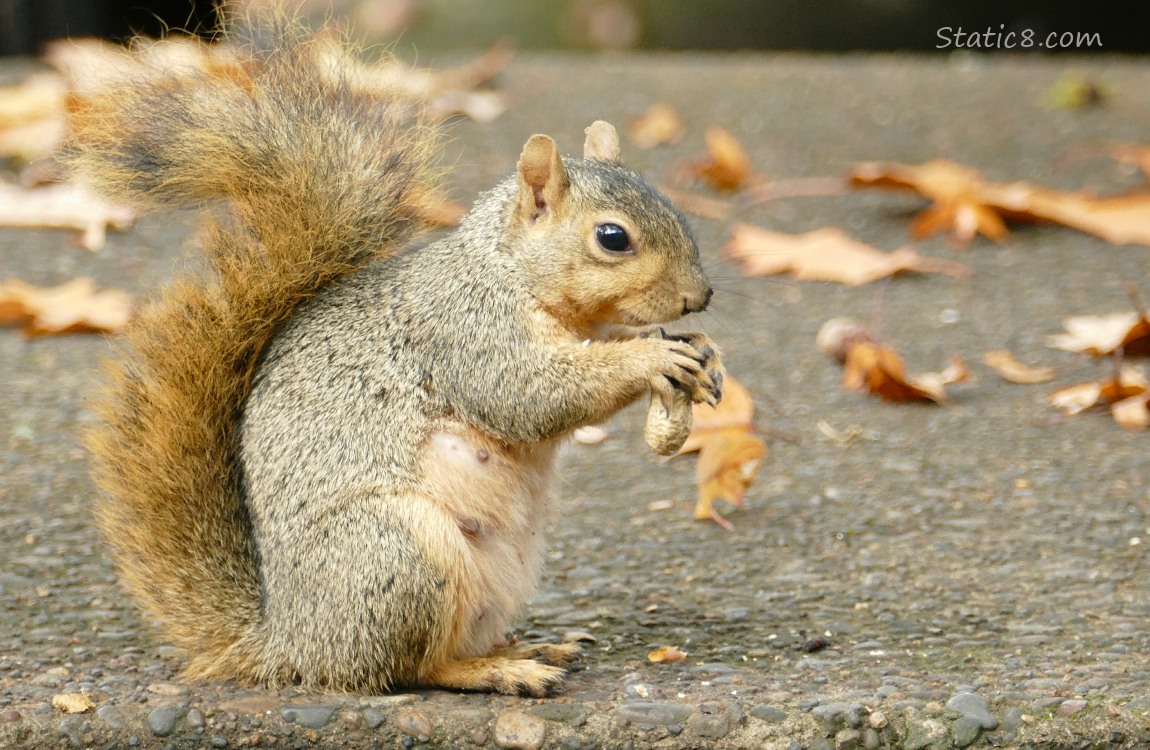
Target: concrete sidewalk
{"x": 974, "y": 567}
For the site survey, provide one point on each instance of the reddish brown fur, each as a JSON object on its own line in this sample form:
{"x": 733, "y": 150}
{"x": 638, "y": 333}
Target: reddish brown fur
{"x": 169, "y": 412}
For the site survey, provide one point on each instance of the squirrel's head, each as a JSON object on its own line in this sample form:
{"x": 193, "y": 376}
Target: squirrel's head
{"x": 603, "y": 246}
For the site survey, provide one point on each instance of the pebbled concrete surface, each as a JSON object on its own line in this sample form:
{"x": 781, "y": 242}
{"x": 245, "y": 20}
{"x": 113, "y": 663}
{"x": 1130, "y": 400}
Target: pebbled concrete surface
{"x": 985, "y": 548}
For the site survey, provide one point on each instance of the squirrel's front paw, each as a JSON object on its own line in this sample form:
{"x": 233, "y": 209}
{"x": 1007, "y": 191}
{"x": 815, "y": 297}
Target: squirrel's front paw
{"x": 669, "y": 416}
{"x": 712, "y": 361}
{"x": 688, "y": 362}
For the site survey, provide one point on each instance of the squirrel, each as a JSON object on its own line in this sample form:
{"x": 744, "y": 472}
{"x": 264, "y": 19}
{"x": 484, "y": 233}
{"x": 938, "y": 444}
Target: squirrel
{"x": 326, "y": 457}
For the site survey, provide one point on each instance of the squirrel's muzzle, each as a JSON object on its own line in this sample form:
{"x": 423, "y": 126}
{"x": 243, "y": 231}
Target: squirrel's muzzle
{"x": 697, "y": 303}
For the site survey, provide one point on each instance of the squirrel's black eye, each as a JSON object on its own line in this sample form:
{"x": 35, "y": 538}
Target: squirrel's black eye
{"x": 612, "y": 238}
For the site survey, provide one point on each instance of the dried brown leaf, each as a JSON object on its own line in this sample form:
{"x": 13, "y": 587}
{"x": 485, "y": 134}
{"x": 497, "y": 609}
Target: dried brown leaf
{"x": 726, "y": 167}
{"x": 63, "y": 207}
{"x": 872, "y": 367}
{"x": 1133, "y": 413}
{"x": 730, "y": 453}
{"x": 32, "y": 139}
{"x": 72, "y": 703}
{"x": 658, "y": 126}
{"x": 1073, "y": 399}
{"x": 1009, "y": 368}
{"x": 666, "y": 654}
{"x": 39, "y": 97}
{"x": 966, "y": 205}
{"x": 74, "y": 307}
{"x": 826, "y": 254}
{"x": 1103, "y": 335}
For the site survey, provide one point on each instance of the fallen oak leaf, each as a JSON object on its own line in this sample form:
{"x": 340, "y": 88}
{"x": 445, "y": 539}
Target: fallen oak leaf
{"x": 966, "y": 205}
{"x": 872, "y": 367}
{"x": 67, "y": 206}
{"x": 879, "y": 370}
{"x": 73, "y": 307}
{"x": 72, "y": 703}
{"x": 32, "y": 117}
{"x": 1103, "y": 335}
{"x": 827, "y": 254}
{"x": 1118, "y": 219}
{"x": 1010, "y": 369}
{"x": 730, "y": 453}
{"x": 958, "y": 206}
{"x": 658, "y": 126}
{"x": 29, "y": 140}
{"x": 666, "y": 654}
{"x": 38, "y": 97}
{"x": 1129, "y": 381}
{"x": 1132, "y": 413}
{"x": 728, "y": 462}
{"x": 725, "y": 166}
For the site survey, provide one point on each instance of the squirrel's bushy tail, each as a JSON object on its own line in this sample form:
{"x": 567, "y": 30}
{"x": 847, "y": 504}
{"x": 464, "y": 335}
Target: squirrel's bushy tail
{"x": 320, "y": 179}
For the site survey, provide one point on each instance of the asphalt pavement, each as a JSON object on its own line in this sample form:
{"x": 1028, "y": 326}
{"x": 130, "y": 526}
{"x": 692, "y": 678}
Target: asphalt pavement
{"x": 903, "y": 576}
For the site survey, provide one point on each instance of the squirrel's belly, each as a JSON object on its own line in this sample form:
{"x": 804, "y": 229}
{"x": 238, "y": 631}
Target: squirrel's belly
{"x": 500, "y": 499}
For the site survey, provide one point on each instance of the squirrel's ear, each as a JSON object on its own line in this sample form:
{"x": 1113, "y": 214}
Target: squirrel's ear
{"x": 543, "y": 180}
{"x": 602, "y": 142}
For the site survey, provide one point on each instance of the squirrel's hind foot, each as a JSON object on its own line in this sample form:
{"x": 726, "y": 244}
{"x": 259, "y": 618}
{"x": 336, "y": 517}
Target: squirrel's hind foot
{"x": 555, "y": 654}
{"x": 498, "y": 674}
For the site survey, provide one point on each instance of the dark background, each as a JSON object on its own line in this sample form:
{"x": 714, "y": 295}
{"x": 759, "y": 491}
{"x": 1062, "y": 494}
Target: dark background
{"x": 820, "y": 25}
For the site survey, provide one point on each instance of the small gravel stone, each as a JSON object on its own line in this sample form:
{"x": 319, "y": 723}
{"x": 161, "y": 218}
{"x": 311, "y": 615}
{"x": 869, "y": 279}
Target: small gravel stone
{"x": 162, "y": 721}
{"x": 650, "y": 712}
{"x": 350, "y": 718}
{"x": 870, "y": 739}
{"x": 769, "y": 714}
{"x": 925, "y": 733}
{"x": 711, "y": 726}
{"x": 195, "y": 718}
{"x": 169, "y": 689}
{"x": 70, "y": 728}
{"x": 966, "y": 731}
{"x": 579, "y": 743}
{"x": 413, "y": 724}
{"x": 848, "y": 739}
{"x": 219, "y": 741}
{"x": 836, "y": 716}
{"x": 372, "y": 719}
{"x": 558, "y": 711}
{"x": 312, "y": 717}
{"x": 877, "y": 720}
{"x": 1071, "y": 707}
{"x": 1012, "y": 718}
{"x": 1043, "y": 704}
{"x": 520, "y": 731}
{"x": 974, "y": 706}
{"x": 112, "y": 716}
{"x": 10, "y": 715}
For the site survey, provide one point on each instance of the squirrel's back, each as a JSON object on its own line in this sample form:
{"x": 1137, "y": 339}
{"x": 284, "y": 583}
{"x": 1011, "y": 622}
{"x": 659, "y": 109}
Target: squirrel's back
{"x": 320, "y": 179}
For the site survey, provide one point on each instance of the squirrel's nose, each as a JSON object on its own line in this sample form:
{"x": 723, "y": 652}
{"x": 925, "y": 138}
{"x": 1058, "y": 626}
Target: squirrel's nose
{"x": 694, "y": 306}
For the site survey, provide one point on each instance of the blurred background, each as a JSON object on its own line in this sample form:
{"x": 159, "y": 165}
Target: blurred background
{"x": 435, "y": 25}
